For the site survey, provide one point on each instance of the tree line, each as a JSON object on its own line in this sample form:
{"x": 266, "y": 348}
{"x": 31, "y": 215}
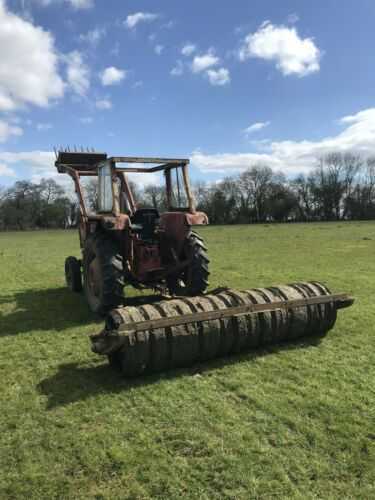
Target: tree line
{"x": 341, "y": 186}
{"x": 43, "y": 205}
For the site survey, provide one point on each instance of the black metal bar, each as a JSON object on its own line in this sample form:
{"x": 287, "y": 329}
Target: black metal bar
{"x": 136, "y": 159}
{"x": 342, "y": 300}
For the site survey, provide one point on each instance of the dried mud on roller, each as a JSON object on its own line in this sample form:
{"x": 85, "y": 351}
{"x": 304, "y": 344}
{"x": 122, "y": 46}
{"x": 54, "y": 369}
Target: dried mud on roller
{"x": 182, "y": 331}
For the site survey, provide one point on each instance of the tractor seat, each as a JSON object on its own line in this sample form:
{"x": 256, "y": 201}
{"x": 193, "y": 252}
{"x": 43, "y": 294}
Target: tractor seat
{"x": 145, "y": 221}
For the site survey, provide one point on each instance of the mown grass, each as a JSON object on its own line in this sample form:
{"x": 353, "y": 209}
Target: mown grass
{"x": 295, "y": 421}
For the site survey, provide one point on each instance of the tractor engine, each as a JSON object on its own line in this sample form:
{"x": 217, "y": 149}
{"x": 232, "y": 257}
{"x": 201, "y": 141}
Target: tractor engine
{"x": 146, "y": 249}
{"x": 147, "y": 260}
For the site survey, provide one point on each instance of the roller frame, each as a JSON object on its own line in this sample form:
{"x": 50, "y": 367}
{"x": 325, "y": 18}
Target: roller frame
{"x": 183, "y": 331}
{"x": 340, "y": 300}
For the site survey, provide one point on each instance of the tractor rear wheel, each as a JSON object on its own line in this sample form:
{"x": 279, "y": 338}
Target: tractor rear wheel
{"x": 73, "y": 276}
{"x": 193, "y": 280}
{"x": 103, "y": 273}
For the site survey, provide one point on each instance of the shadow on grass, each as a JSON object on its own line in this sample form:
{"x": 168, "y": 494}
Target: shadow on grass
{"x": 45, "y": 309}
{"x": 53, "y": 309}
{"x": 74, "y": 382}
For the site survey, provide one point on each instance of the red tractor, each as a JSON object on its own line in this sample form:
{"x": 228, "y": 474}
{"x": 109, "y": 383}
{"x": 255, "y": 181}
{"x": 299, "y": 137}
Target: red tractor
{"x": 124, "y": 244}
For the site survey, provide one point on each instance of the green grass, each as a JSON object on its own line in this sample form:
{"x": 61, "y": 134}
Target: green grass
{"x": 296, "y": 421}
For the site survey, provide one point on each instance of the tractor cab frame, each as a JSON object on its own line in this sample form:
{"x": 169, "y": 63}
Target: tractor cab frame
{"x": 148, "y": 248}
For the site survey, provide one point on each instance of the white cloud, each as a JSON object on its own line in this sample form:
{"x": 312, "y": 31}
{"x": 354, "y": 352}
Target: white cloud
{"x": 188, "y": 49}
{"x": 78, "y": 73}
{"x": 28, "y": 63}
{"x": 260, "y": 144}
{"x": 218, "y": 76}
{"x": 36, "y": 159}
{"x": 178, "y": 70}
{"x": 169, "y": 25}
{"x": 81, "y": 4}
{"x": 255, "y": 127}
{"x": 358, "y": 117}
{"x": 103, "y": 104}
{"x": 39, "y": 165}
{"x": 147, "y": 179}
{"x": 5, "y": 171}
{"x": 112, "y": 75}
{"x": 42, "y": 164}
{"x": 7, "y": 103}
{"x": 43, "y": 126}
{"x": 76, "y": 4}
{"x": 139, "y": 17}
{"x": 7, "y": 131}
{"x": 228, "y": 163}
{"x": 158, "y": 49}
{"x": 15, "y": 119}
{"x": 86, "y": 120}
{"x": 293, "y": 157}
{"x": 293, "y": 18}
{"x": 292, "y": 54}
{"x": 94, "y": 36}
{"x": 205, "y": 61}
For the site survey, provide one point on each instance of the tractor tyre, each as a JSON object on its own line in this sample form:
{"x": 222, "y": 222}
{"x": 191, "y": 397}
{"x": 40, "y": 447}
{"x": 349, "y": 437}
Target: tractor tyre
{"x": 193, "y": 280}
{"x": 73, "y": 276}
{"x": 103, "y": 273}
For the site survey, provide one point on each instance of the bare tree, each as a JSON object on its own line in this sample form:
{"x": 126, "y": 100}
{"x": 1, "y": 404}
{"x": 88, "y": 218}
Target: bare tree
{"x": 370, "y": 177}
{"x": 90, "y": 193}
{"x": 50, "y": 190}
{"x": 201, "y": 192}
{"x": 254, "y": 184}
{"x": 154, "y": 196}
{"x": 305, "y": 199}
{"x": 352, "y": 164}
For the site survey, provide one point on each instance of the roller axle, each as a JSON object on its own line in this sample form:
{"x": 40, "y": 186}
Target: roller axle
{"x": 339, "y": 300}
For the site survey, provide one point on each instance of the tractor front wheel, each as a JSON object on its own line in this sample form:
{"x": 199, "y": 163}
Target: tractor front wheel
{"x": 103, "y": 273}
{"x": 73, "y": 276}
{"x": 193, "y": 280}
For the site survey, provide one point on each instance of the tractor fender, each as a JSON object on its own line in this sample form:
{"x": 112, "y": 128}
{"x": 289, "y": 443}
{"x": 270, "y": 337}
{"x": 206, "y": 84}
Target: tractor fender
{"x": 175, "y": 226}
{"x": 196, "y": 219}
{"x": 115, "y": 222}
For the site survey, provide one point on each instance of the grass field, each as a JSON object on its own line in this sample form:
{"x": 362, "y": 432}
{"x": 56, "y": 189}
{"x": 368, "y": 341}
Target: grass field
{"x": 296, "y": 421}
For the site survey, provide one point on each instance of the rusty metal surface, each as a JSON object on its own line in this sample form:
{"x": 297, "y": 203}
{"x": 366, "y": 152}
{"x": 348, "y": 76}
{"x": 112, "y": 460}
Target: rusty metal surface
{"x": 338, "y": 300}
{"x": 177, "y": 224}
{"x": 78, "y": 160}
{"x": 226, "y": 322}
{"x": 196, "y": 219}
{"x": 136, "y": 159}
{"x": 87, "y": 160}
{"x": 119, "y": 222}
{"x": 146, "y": 259}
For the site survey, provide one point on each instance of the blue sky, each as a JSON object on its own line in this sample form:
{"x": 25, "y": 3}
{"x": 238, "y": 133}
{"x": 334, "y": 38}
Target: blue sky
{"x": 228, "y": 84}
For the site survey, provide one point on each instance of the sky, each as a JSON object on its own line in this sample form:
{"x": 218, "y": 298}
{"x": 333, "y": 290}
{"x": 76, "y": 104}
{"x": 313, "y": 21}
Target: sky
{"x": 226, "y": 84}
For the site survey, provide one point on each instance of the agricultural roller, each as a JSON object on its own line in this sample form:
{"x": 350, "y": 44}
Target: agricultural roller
{"x": 186, "y": 330}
